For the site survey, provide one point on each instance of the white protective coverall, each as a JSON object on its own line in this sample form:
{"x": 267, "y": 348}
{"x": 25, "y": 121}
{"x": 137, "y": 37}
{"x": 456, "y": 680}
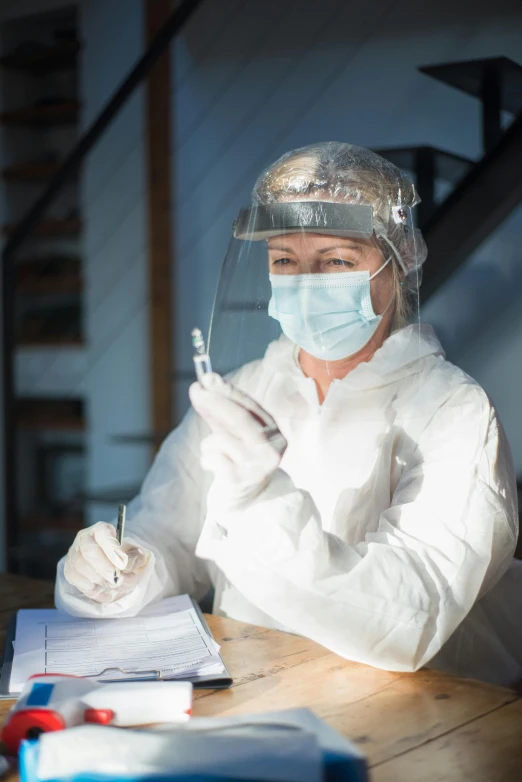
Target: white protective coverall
{"x": 387, "y": 534}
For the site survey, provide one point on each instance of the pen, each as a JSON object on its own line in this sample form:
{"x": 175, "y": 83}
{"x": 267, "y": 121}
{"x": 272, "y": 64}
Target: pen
{"x": 120, "y": 529}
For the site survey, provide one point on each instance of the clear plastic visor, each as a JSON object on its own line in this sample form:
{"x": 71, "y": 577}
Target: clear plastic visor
{"x": 310, "y": 275}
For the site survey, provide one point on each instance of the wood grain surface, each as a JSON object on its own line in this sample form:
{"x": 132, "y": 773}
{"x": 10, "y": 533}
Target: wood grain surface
{"x": 421, "y": 727}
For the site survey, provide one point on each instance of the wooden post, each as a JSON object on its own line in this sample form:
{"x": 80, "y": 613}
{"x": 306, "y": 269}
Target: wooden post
{"x": 159, "y": 165}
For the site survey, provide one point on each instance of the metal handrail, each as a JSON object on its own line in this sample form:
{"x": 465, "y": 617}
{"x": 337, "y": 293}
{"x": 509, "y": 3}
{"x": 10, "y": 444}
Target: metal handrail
{"x": 66, "y": 172}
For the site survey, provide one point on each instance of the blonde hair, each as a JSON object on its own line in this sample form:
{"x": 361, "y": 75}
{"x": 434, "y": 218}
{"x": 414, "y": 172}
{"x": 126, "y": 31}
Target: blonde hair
{"x": 403, "y": 297}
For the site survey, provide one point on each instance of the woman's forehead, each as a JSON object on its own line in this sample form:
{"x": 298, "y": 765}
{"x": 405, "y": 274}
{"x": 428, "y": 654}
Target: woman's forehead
{"x": 314, "y": 241}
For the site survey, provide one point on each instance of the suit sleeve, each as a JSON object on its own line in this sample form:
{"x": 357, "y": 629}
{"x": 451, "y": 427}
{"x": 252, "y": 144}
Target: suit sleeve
{"x": 166, "y": 519}
{"x": 392, "y": 600}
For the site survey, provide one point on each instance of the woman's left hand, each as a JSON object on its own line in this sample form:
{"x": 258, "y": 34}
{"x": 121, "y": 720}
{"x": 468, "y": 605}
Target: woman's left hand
{"x": 245, "y": 446}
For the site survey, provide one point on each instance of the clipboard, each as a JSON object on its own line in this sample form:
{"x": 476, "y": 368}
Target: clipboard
{"x": 220, "y": 682}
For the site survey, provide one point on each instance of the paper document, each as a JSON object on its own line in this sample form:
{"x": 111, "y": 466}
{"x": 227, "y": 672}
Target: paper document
{"x": 249, "y": 755}
{"x": 166, "y": 639}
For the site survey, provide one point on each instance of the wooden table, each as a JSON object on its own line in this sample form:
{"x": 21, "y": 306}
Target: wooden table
{"x": 422, "y": 727}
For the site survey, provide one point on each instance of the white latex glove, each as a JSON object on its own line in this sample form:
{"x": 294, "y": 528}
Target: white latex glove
{"x": 245, "y": 446}
{"x": 94, "y": 556}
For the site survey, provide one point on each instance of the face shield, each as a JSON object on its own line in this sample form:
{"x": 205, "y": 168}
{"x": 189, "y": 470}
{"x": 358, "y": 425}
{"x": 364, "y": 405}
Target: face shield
{"x": 323, "y": 275}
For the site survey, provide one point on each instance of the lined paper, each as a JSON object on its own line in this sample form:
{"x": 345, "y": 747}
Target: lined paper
{"x": 167, "y": 638}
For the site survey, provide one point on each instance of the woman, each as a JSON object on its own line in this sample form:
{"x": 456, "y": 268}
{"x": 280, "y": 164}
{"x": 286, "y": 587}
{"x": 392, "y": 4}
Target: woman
{"x": 351, "y": 485}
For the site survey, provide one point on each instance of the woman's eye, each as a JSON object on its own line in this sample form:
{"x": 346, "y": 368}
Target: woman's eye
{"x": 281, "y": 262}
{"x": 341, "y": 263}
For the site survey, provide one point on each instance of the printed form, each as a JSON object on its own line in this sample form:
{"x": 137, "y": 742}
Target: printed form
{"x": 167, "y": 639}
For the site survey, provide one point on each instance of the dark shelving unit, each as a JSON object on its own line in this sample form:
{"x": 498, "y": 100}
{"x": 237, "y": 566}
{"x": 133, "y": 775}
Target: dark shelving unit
{"x": 50, "y": 228}
{"x": 30, "y": 172}
{"x": 62, "y": 113}
{"x": 48, "y": 286}
{"x": 44, "y": 60}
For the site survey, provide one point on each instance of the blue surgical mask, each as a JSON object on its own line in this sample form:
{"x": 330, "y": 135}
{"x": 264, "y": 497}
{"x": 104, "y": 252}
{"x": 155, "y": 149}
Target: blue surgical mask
{"x": 330, "y": 316}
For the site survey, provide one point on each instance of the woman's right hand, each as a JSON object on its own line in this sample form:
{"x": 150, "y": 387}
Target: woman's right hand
{"x": 94, "y": 556}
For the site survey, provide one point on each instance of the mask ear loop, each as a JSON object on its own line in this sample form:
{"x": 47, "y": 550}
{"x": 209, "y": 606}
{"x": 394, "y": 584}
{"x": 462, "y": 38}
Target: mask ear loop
{"x": 393, "y": 294}
{"x": 396, "y": 253}
{"x": 380, "y": 270}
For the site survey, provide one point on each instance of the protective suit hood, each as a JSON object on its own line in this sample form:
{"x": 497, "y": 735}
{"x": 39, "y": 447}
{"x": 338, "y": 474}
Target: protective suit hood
{"x": 401, "y": 355}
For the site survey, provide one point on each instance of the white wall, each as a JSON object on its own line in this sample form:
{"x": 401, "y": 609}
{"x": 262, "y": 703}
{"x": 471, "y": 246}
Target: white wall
{"x": 256, "y": 79}
{"x": 478, "y": 314}
{"x": 117, "y": 376}
{"x": 495, "y": 359}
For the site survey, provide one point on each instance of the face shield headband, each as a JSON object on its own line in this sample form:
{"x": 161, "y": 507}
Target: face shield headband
{"x": 324, "y": 217}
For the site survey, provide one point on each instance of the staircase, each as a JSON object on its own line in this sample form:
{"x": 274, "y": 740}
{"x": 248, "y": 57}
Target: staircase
{"x": 483, "y": 193}
{"x": 430, "y": 167}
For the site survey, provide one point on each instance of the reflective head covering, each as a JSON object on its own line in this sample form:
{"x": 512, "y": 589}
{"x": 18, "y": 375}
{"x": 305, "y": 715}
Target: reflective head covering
{"x": 324, "y": 190}
{"x": 348, "y": 175}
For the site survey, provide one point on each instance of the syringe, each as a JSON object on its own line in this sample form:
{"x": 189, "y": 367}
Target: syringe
{"x": 201, "y": 358}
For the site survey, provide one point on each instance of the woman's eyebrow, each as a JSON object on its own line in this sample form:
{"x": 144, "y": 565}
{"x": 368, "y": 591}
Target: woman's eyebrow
{"x": 281, "y": 248}
{"x": 285, "y": 249}
{"x": 339, "y": 247}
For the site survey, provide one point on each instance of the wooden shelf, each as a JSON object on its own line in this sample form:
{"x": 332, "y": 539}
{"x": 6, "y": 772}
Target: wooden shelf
{"x": 31, "y": 172}
{"x": 64, "y": 113}
{"x": 36, "y": 522}
{"x": 66, "y": 342}
{"x": 49, "y": 274}
{"x": 41, "y": 286}
{"x": 57, "y": 58}
{"x": 64, "y": 423}
{"x": 38, "y": 261}
{"x": 50, "y": 228}
{"x": 36, "y": 412}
